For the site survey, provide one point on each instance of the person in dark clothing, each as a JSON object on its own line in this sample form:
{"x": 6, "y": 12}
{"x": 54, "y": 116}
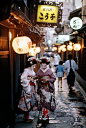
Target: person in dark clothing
{"x": 71, "y": 67}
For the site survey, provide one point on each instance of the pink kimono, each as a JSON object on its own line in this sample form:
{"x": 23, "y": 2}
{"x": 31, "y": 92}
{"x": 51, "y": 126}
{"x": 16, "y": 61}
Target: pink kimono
{"x": 44, "y": 91}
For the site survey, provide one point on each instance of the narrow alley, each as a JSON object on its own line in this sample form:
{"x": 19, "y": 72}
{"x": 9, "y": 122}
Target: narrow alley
{"x": 34, "y": 34}
{"x": 70, "y": 110}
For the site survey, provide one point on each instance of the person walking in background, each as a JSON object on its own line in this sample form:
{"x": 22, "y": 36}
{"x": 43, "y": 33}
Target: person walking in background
{"x": 45, "y": 89}
{"x": 27, "y": 100}
{"x": 71, "y": 66}
{"x": 57, "y": 58}
{"x": 59, "y": 72}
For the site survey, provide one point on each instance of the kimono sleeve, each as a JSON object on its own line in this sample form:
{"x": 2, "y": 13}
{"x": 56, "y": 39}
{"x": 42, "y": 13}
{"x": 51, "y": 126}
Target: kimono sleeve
{"x": 25, "y": 81}
{"x": 38, "y": 74}
{"x": 51, "y": 81}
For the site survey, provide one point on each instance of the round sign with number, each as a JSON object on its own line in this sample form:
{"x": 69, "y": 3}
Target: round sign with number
{"x": 76, "y": 23}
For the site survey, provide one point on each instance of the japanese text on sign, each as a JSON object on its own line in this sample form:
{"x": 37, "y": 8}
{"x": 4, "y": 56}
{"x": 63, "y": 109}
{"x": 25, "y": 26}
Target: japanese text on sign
{"x": 76, "y": 23}
{"x": 47, "y": 14}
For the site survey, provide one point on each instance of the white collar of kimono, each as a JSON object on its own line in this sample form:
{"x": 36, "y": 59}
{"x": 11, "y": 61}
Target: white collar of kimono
{"x": 44, "y": 70}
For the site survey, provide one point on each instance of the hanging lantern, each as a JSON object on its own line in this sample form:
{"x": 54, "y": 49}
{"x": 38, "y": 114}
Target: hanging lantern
{"x": 37, "y": 49}
{"x": 59, "y": 49}
{"x": 54, "y": 48}
{"x": 70, "y": 43}
{"x": 32, "y": 51}
{"x": 69, "y": 48}
{"x": 46, "y": 48}
{"x": 63, "y": 48}
{"x": 21, "y": 45}
{"x": 77, "y": 47}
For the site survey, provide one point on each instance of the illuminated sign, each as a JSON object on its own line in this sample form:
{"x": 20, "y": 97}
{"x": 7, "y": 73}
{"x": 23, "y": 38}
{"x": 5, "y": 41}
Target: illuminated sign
{"x": 76, "y": 23}
{"x": 47, "y": 14}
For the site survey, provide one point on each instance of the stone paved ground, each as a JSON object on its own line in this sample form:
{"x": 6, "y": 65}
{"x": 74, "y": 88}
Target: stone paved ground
{"x": 70, "y": 110}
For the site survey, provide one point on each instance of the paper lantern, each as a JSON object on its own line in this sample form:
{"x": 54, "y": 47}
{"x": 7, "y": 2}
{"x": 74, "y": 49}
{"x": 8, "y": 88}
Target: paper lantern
{"x": 69, "y": 48}
{"x": 59, "y": 49}
{"x": 21, "y": 45}
{"x": 37, "y": 49}
{"x": 54, "y": 48}
{"x": 46, "y": 48}
{"x": 32, "y": 51}
{"x": 70, "y": 43}
{"x": 63, "y": 49}
{"x": 77, "y": 47}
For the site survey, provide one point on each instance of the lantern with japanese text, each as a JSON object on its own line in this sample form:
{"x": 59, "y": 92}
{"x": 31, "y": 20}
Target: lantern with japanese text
{"x": 21, "y": 45}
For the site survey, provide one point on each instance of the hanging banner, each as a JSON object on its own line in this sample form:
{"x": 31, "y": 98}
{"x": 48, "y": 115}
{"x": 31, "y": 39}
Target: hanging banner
{"x": 47, "y": 14}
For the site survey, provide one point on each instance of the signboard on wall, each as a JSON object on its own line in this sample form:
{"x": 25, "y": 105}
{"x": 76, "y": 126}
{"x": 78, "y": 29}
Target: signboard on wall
{"x": 60, "y": 39}
{"x": 47, "y": 14}
{"x": 76, "y": 23}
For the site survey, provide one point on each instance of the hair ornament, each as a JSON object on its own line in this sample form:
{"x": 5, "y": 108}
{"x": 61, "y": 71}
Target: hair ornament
{"x": 46, "y": 58}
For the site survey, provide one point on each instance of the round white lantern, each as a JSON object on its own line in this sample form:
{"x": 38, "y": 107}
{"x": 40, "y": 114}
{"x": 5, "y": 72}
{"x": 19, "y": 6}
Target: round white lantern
{"x": 37, "y": 49}
{"x": 69, "y": 48}
{"x": 32, "y": 51}
{"x": 46, "y": 48}
{"x": 54, "y": 48}
{"x": 21, "y": 45}
{"x": 63, "y": 49}
{"x": 77, "y": 47}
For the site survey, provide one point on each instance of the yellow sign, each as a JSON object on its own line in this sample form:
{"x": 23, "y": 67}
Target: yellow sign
{"x": 47, "y": 14}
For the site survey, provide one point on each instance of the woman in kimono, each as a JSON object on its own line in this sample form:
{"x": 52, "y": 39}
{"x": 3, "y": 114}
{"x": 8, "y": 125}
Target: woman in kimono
{"x": 27, "y": 100}
{"x": 45, "y": 88}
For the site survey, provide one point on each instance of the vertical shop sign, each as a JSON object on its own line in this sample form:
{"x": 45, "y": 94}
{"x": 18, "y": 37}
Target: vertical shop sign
{"x": 47, "y": 14}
